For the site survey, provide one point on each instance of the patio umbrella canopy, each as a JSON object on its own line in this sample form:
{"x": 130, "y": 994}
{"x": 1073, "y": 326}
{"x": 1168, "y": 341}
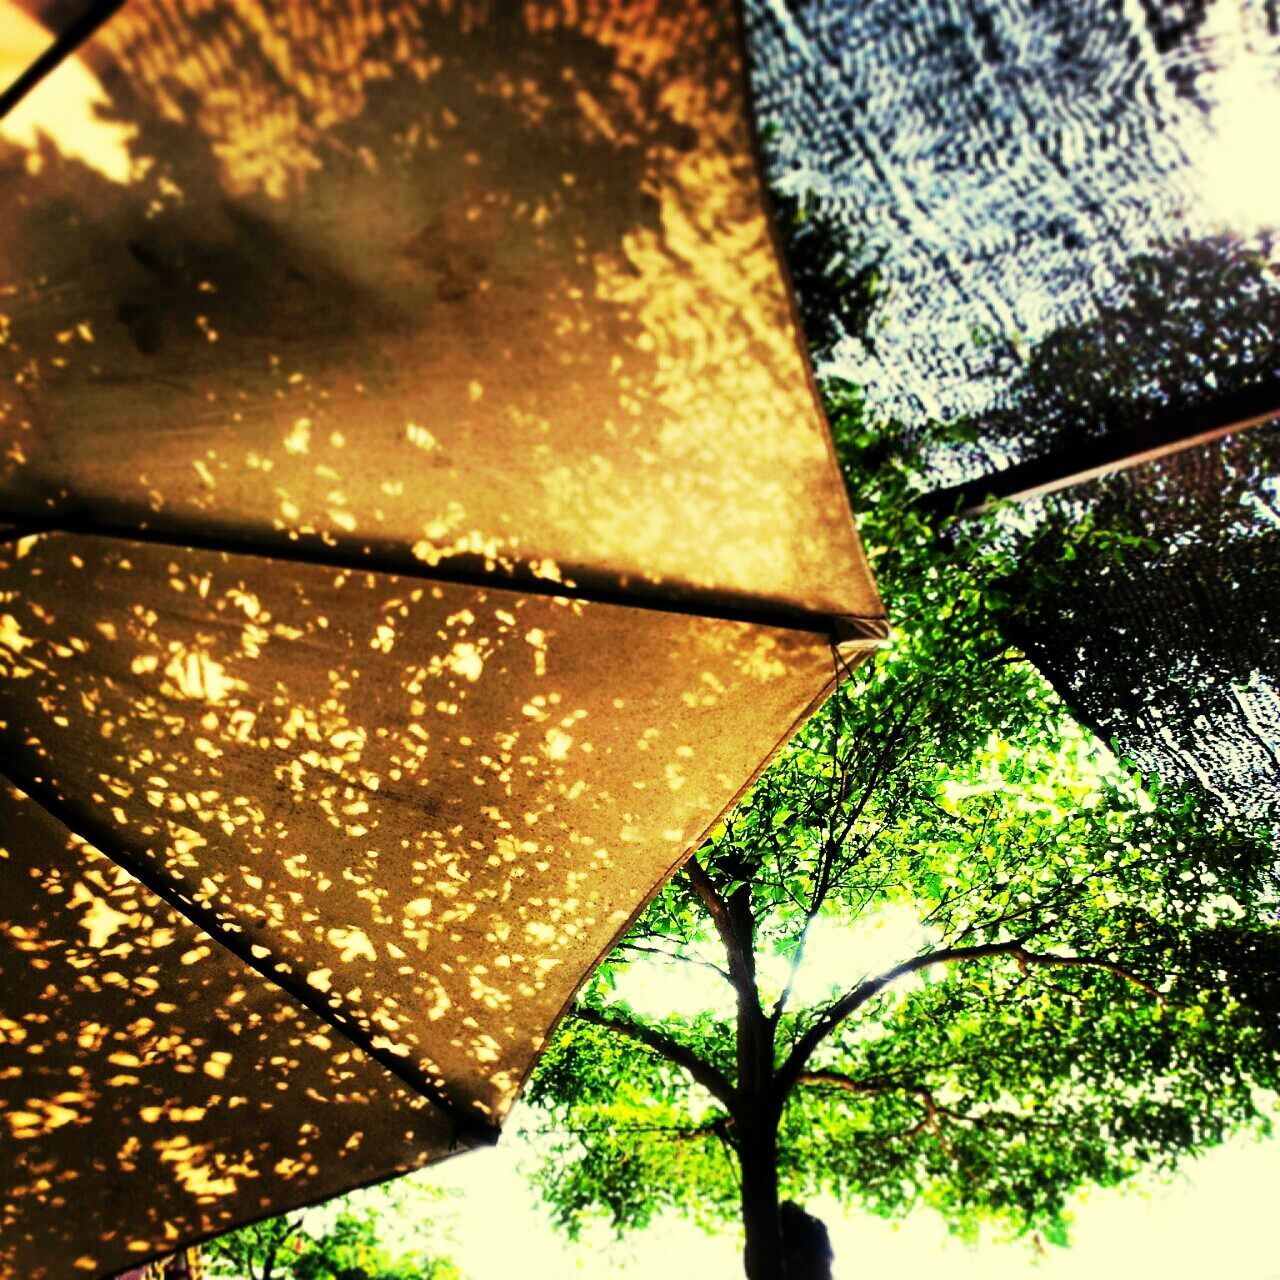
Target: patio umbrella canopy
{"x": 418, "y": 529}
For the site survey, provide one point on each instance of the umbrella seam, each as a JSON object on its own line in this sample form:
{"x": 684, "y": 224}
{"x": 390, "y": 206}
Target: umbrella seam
{"x": 62, "y": 47}
{"x": 839, "y": 627}
{"x": 467, "y": 1126}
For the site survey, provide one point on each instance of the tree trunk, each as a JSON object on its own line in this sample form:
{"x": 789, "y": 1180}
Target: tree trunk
{"x": 806, "y": 1243}
{"x": 758, "y": 1153}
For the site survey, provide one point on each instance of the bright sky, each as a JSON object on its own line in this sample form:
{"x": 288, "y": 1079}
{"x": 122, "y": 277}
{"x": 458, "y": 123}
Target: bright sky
{"x": 1216, "y": 1219}
{"x": 1244, "y": 193}
{"x": 62, "y": 105}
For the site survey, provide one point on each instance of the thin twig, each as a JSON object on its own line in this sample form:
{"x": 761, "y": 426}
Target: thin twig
{"x": 675, "y": 955}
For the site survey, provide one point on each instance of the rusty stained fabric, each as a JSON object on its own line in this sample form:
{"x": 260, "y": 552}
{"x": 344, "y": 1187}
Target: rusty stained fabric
{"x": 454, "y": 287}
{"x": 421, "y": 529}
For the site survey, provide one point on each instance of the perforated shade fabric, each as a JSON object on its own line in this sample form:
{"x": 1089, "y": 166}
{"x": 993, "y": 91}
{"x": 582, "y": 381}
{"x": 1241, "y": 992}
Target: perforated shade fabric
{"x": 1074, "y": 233}
{"x": 1173, "y": 653}
{"x": 420, "y": 528}
{"x": 1018, "y": 171}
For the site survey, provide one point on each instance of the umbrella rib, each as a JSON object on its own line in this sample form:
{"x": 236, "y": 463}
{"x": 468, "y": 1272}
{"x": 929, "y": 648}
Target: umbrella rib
{"x": 64, "y": 44}
{"x": 468, "y": 1127}
{"x": 838, "y": 627}
{"x": 1253, "y": 406}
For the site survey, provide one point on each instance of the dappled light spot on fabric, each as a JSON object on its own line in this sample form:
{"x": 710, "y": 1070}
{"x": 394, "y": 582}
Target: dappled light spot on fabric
{"x": 427, "y": 857}
{"x": 411, "y": 459}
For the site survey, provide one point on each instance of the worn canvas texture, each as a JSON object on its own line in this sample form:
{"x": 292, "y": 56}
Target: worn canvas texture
{"x": 420, "y": 527}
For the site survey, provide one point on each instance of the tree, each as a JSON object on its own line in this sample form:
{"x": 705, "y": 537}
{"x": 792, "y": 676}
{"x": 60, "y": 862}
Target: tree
{"x": 259, "y": 1251}
{"x": 1083, "y": 990}
{"x": 340, "y": 1241}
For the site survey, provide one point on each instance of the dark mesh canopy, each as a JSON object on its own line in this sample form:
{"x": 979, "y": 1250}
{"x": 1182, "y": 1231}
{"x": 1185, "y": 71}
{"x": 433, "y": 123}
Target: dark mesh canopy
{"x": 1070, "y": 213}
{"x": 1017, "y": 171}
{"x": 1173, "y": 651}
{"x": 416, "y": 529}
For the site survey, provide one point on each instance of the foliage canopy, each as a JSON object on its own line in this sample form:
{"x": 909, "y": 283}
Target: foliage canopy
{"x": 1085, "y": 977}
{"x": 344, "y": 1240}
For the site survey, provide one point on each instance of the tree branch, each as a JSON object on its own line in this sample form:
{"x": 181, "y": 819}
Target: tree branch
{"x": 672, "y": 1050}
{"x": 641, "y": 949}
{"x": 854, "y": 999}
{"x": 709, "y": 896}
{"x": 1029, "y": 958}
{"x": 735, "y": 934}
{"x": 933, "y": 1111}
{"x": 832, "y": 845}
{"x": 735, "y": 923}
{"x": 711, "y": 1129}
{"x": 838, "y": 1080}
{"x": 793, "y": 971}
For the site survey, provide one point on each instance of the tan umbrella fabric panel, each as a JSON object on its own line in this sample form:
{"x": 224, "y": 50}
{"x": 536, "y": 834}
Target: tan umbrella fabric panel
{"x": 481, "y": 283}
{"x": 150, "y": 1091}
{"x": 432, "y": 806}
{"x": 416, "y": 527}
{"x": 438, "y": 804}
